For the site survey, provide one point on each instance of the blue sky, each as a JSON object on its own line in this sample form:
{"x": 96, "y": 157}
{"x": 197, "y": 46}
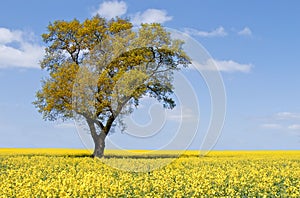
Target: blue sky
{"x": 255, "y": 44}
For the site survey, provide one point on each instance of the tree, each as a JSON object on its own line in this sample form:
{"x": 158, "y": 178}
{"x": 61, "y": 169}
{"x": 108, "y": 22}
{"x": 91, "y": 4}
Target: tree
{"x": 99, "y": 70}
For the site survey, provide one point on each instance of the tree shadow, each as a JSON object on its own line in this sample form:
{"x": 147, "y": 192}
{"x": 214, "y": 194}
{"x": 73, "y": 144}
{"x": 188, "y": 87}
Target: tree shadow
{"x": 137, "y": 156}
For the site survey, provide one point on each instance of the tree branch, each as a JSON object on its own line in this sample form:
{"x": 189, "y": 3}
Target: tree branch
{"x": 98, "y": 122}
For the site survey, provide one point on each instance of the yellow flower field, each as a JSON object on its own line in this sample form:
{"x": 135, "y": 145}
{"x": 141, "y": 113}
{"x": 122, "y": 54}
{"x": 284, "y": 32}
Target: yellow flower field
{"x": 72, "y": 173}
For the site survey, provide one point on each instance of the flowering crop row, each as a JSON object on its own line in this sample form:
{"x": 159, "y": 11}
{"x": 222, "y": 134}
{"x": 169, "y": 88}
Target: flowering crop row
{"x": 220, "y": 174}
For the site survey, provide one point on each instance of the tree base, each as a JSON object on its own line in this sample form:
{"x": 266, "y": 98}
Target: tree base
{"x": 99, "y": 146}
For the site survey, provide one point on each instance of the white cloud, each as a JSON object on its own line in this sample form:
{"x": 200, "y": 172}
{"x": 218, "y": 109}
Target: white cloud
{"x": 151, "y": 16}
{"x": 7, "y": 36}
{"x": 294, "y": 127}
{"x": 218, "y": 32}
{"x": 223, "y": 66}
{"x": 287, "y": 116}
{"x": 271, "y": 126}
{"x": 18, "y": 49}
{"x": 245, "y": 32}
{"x": 111, "y": 9}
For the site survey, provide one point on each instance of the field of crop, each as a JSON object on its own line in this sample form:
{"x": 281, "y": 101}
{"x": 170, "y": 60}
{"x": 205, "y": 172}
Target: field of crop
{"x": 72, "y": 173}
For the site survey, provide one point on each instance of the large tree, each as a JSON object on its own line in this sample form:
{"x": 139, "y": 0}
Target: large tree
{"x": 99, "y": 70}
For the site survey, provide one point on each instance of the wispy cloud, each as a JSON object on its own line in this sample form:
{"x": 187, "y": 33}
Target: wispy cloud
{"x": 245, "y": 32}
{"x": 271, "y": 126}
{"x": 111, "y": 9}
{"x": 151, "y": 16}
{"x": 18, "y": 49}
{"x": 181, "y": 114}
{"x": 65, "y": 125}
{"x": 223, "y": 66}
{"x": 287, "y": 116}
{"x": 218, "y": 32}
{"x": 285, "y": 121}
{"x": 294, "y": 127}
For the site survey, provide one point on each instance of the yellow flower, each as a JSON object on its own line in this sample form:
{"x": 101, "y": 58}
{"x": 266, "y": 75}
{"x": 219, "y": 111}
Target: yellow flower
{"x": 50, "y": 173}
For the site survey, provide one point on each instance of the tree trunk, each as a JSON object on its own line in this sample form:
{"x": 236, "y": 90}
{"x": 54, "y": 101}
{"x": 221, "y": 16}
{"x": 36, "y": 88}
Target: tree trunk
{"x": 99, "y": 140}
{"x": 99, "y": 145}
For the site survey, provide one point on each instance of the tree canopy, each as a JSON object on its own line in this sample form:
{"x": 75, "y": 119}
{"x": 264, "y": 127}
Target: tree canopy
{"x": 99, "y": 69}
